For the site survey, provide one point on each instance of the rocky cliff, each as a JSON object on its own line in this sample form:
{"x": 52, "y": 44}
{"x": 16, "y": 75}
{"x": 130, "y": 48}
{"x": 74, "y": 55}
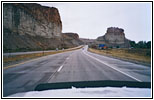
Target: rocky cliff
{"x": 31, "y": 26}
{"x": 114, "y": 37}
{"x": 71, "y": 39}
{"x": 32, "y": 19}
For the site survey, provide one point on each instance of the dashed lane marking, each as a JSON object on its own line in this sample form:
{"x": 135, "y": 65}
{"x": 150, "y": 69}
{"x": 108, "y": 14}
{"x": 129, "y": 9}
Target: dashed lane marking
{"x": 60, "y": 68}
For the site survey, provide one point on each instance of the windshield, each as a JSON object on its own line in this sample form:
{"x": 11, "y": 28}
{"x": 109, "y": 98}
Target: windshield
{"x": 38, "y": 56}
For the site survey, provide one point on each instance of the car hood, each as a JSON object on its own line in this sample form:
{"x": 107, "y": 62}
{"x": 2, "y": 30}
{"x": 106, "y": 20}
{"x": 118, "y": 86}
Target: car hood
{"x": 90, "y": 89}
{"x": 89, "y": 92}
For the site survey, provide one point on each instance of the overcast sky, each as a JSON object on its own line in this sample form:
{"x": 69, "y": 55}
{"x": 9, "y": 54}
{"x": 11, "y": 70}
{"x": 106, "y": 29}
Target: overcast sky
{"x": 91, "y": 20}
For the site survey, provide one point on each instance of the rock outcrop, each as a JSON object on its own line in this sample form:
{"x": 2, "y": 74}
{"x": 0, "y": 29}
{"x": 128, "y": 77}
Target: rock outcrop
{"x": 32, "y": 19}
{"x": 71, "y": 39}
{"x": 30, "y": 26}
{"x": 114, "y": 37}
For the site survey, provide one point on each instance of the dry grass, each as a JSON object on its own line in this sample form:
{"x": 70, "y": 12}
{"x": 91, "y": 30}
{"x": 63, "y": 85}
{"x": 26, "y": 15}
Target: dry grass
{"x": 34, "y": 55}
{"x": 127, "y": 54}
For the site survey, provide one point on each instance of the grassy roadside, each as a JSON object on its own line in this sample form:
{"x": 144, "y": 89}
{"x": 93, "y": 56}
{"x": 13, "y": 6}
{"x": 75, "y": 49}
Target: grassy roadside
{"x": 135, "y": 56}
{"x": 18, "y": 58}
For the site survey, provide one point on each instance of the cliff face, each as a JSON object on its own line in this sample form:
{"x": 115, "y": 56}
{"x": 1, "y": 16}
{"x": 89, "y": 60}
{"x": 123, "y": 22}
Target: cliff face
{"x": 32, "y": 19}
{"x": 29, "y": 26}
{"x": 114, "y": 37}
{"x": 71, "y": 39}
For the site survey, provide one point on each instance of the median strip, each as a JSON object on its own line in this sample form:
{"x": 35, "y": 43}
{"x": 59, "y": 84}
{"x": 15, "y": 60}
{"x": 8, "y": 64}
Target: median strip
{"x": 10, "y": 66}
{"x": 33, "y": 57}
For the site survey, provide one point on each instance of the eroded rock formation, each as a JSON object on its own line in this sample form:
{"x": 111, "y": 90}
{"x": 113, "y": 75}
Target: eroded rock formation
{"x": 114, "y": 37}
{"x": 72, "y": 38}
{"x": 32, "y": 19}
{"x": 30, "y": 26}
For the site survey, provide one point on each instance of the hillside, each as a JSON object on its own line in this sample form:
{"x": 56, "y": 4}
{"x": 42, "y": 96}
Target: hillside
{"x": 29, "y": 26}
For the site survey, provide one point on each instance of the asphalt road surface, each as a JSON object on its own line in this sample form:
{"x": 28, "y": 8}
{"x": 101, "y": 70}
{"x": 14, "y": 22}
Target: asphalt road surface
{"x": 77, "y": 65}
{"x": 21, "y": 53}
{"x": 32, "y": 52}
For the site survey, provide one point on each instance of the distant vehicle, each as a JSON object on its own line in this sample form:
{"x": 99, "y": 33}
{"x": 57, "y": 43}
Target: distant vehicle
{"x": 56, "y": 49}
{"x": 102, "y": 46}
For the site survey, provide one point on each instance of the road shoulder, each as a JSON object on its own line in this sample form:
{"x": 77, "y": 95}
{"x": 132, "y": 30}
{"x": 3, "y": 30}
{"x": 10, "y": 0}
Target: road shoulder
{"x": 123, "y": 59}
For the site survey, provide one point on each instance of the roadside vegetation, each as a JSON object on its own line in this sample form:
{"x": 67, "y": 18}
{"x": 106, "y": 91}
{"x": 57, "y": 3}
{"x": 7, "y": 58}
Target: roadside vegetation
{"x": 135, "y": 55}
{"x": 16, "y": 58}
{"x": 138, "y": 53}
{"x": 141, "y": 44}
{"x": 43, "y": 48}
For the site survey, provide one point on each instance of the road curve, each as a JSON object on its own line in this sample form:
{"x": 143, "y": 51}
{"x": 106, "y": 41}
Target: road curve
{"x": 77, "y": 65}
{"x": 33, "y": 52}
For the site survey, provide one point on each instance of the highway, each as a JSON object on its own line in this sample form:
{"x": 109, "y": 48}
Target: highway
{"x": 21, "y": 53}
{"x": 32, "y": 52}
{"x": 77, "y": 65}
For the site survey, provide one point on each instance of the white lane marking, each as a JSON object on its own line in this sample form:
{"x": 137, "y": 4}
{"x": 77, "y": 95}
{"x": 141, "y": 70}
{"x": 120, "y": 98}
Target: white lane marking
{"x": 62, "y": 64}
{"x": 113, "y": 67}
{"x": 60, "y": 68}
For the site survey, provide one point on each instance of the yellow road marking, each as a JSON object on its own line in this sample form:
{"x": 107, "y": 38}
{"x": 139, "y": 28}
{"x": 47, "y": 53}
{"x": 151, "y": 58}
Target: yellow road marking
{"x": 20, "y": 63}
{"x": 10, "y": 66}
